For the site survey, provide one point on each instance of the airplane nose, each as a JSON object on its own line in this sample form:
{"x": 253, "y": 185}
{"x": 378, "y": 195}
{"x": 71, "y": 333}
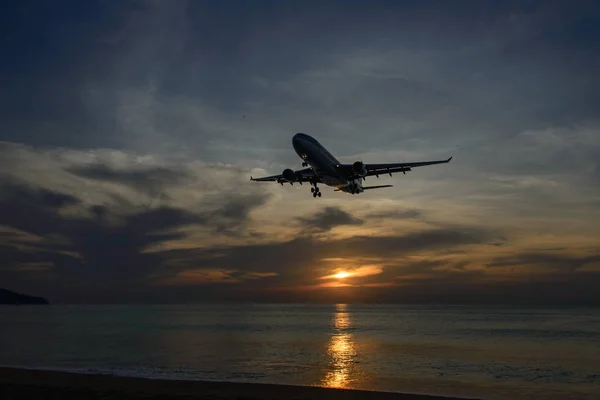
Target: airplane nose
{"x": 297, "y": 142}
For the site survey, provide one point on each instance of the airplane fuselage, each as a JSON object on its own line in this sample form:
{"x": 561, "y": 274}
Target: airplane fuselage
{"x": 324, "y": 164}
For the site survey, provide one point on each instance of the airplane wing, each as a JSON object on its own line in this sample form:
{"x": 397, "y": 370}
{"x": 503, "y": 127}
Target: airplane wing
{"x": 380, "y": 169}
{"x": 302, "y": 175}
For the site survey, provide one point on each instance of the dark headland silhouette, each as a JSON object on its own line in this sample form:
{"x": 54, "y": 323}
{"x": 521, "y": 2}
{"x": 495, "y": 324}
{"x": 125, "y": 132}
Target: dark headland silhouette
{"x": 8, "y": 297}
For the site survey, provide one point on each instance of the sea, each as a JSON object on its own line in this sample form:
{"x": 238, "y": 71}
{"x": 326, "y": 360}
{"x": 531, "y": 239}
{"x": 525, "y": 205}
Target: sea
{"x": 463, "y": 351}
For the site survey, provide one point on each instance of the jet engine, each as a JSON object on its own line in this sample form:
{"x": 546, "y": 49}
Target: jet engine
{"x": 289, "y": 175}
{"x": 359, "y": 168}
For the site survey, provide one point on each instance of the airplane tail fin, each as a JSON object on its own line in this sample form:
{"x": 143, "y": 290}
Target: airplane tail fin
{"x": 376, "y": 187}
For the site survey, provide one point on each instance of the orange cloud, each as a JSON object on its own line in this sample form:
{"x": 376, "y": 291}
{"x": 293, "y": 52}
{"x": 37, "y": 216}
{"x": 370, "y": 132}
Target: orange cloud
{"x": 257, "y": 275}
{"x": 335, "y": 284}
{"x": 380, "y": 284}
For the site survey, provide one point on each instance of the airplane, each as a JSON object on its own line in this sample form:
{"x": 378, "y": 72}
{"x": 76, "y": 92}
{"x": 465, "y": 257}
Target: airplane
{"x": 325, "y": 168}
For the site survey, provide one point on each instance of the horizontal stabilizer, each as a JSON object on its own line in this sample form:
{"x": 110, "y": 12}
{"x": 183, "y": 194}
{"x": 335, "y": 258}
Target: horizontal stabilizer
{"x": 376, "y": 187}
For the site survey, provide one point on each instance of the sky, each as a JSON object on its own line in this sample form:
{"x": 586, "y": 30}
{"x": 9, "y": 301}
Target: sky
{"x": 129, "y": 131}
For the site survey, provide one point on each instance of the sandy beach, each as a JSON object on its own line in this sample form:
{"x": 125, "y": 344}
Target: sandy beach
{"x": 18, "y": 383}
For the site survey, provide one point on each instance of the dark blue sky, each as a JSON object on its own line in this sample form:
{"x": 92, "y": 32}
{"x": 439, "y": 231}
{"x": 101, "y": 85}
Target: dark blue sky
{"x": 128, "y": 130}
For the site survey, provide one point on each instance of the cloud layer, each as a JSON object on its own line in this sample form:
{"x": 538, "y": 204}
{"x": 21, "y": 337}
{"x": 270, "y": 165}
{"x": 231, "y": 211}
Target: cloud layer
{"x": 128, "y": 133}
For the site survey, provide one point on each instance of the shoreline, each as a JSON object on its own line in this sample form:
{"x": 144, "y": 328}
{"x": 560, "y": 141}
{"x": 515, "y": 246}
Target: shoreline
{"x": 23, "y": 382}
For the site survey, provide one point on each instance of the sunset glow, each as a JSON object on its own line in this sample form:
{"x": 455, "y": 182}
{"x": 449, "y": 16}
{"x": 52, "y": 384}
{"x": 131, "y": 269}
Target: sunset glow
{"x": 358, "y": 272}
{"x": 342, "y": 275}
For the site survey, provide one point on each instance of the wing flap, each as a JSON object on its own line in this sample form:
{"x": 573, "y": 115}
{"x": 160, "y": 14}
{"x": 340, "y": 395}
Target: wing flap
{"x": 376, "y": 187}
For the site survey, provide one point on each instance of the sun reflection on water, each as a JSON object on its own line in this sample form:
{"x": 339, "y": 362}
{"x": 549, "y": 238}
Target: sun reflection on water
{"x": 341, "y": 351}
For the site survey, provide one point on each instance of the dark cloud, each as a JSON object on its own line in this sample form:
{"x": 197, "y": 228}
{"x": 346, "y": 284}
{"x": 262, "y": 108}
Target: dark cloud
{"x": 551, "y": 261}
{"x": 327, "y": 219}
{"x": 229, "y": 217}
{"x": 102, "y": 250}
{"x": 394, "y": 214}
{"x": 441, "y": 239}
{"x": 152, "y": 180}
{"x": 233, "y": 213}
{"x": 105, "y": 249}
{"x": 32, "y": 210}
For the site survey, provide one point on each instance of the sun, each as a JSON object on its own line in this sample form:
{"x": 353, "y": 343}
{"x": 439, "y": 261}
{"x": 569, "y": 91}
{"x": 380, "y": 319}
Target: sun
{"x": 341, "y": 275}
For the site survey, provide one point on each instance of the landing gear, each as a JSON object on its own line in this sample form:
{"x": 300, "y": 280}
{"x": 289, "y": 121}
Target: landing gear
{"x": 304, "y": 164}
{"x": 315, "y": 191}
